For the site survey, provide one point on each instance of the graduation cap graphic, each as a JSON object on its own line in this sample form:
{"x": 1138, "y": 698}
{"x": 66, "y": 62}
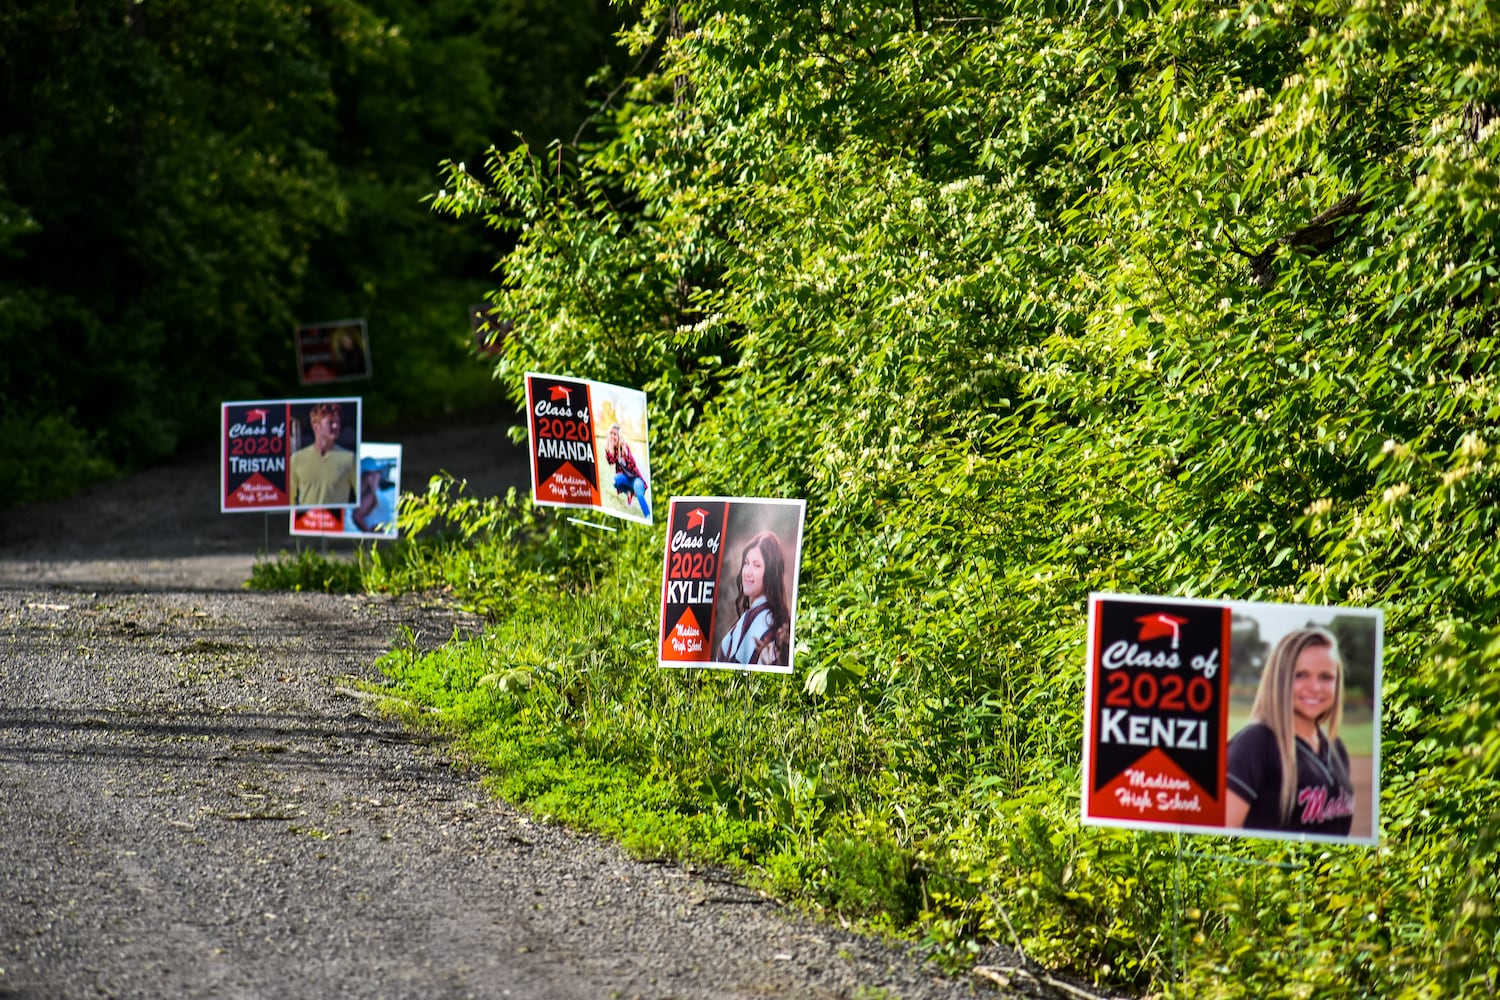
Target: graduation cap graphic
{"x": 562, "y": 392}
{"x": 696, "y": 518}
{"x": 256, "y": 416}
{"x": 1160, "y": 625}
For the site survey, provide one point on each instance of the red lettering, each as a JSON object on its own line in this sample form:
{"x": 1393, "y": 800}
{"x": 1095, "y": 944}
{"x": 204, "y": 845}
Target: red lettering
{"x": 691, "y": 565}
{"x": 1118, "y": 695}
{"x": 562, "y": 430}
{"x": 1171, "y": 693}
{"x": 1200, "y": 694}
{"x": 255, "y": 446}
{"x": 1144, "y": 693}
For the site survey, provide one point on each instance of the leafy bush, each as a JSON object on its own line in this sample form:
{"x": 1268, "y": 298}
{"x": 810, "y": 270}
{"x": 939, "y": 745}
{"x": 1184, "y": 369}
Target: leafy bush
{"x": 1031, "y": 304}
{"x": 48, "y": 456}
{"x": 181, "y": 184}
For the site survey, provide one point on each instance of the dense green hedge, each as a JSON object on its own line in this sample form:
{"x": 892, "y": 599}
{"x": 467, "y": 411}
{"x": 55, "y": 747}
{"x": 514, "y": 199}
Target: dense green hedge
{"x": 1026, "y": 301}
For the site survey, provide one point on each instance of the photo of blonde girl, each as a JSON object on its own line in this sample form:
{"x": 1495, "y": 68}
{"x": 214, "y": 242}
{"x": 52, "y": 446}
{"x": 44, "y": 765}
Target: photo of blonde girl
{"x": 1301, "y": 759}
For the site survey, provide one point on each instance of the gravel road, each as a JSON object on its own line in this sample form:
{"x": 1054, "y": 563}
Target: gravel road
{"x": 196, "y": 802}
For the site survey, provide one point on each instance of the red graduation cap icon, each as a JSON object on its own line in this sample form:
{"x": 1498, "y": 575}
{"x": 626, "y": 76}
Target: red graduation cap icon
{"x": 255, "y": 417}
{"x": 1161, "y": 625}
{"x": 562, "y": 392}
{"x": 696, "y": 518}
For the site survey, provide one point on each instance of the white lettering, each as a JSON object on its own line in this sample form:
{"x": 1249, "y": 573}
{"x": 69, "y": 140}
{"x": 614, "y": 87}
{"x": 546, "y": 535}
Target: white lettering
{"x": 546, "y": 409}
{"x": 1128, "y": 654}
{"x": 683, "y": 540}
{"x": 1172, "y": 802}
{"x": 1165, "y": 782}
{"x": 1208, "y": 665}
{"x": 1111, "y": 722}
{"x": 249, "y": 430}
{"x": 1117, "y": 726}
{"x": 690, "y": 591}
{"x": 1139, "y": 801}
{"x": 570, "y": 451}
{"x": 244, "y": 466}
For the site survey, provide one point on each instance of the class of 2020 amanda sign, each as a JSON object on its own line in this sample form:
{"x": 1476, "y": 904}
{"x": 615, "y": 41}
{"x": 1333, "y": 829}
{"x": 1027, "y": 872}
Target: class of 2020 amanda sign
{"x": 589, "y": 446}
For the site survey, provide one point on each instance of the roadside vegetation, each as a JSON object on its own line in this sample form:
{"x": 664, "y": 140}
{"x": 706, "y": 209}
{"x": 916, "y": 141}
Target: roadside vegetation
{"x": 1026, "y": 302}
{"x": 183, "y": 182}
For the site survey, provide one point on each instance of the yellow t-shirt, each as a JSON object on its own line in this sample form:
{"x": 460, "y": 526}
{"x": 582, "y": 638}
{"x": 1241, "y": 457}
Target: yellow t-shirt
{"x": 321, "y": 479}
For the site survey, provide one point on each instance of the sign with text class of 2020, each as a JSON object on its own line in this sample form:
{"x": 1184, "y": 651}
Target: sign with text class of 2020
{"x": 1194, "y": 711}
{"x": 589, "y": 446}
{"x": 277, "y": 454}
{"x": 729, "y": 586}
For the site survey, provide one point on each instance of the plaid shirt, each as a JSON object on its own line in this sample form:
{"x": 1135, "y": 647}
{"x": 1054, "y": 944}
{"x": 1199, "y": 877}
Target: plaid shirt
{"x": 623, "y": 461}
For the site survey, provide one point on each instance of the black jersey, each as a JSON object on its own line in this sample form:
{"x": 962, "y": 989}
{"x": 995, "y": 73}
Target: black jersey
{"x": 1325, "y": 794}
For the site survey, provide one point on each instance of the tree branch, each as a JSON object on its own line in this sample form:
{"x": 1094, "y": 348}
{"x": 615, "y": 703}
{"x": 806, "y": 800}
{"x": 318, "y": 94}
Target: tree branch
{"x": 1320, "y": 235}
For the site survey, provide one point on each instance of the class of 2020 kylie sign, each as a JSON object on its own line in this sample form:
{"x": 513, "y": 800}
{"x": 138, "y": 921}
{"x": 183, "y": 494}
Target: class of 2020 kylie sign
{"x": 729, "y": 583}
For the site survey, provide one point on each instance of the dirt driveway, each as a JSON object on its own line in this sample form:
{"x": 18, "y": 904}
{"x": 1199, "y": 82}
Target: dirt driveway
{"x": 196, "y": 802}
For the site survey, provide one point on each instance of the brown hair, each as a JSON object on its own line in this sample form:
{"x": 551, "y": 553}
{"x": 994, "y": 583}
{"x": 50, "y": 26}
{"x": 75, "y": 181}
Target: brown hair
{"x": 773, "y": 585}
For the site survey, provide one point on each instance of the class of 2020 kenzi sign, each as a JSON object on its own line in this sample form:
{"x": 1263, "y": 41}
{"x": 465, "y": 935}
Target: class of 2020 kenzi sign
{"x": 1156, "y": 714}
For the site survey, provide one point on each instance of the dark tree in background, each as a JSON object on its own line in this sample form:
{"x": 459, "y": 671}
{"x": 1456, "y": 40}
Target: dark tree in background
{"x": 181, "y": 183}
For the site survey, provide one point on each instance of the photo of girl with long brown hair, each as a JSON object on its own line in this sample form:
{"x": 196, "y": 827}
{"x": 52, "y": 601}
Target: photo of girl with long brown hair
{"x": 761, "y": 634}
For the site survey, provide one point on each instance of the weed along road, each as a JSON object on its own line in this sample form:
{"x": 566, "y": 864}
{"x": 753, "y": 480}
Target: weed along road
{"x": 198, "y": 799}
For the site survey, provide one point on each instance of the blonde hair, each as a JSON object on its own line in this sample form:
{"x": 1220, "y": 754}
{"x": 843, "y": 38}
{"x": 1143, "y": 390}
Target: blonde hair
{"x": 321, "y": 410}
{"x": 1273, "y": 702}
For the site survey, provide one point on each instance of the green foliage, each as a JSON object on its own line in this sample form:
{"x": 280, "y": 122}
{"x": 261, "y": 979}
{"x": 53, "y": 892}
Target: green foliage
{"x": 169, "y": 180}
{"x": 181, "y": 184}
{"x": 1031, "y": 302}
{"x": 864, "y": 873}
{"x": 47, "y": 456}
{"x": 307, "y": 570}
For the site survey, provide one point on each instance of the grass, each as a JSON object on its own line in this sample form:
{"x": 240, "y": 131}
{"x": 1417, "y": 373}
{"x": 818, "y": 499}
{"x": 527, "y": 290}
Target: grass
{"x": 933, "y": 796}
{"x": 309, "y": 570}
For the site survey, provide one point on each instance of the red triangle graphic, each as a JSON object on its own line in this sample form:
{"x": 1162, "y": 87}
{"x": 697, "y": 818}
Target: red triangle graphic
{"x": 685, "y": 641}
{"x": 257, "y": 491}
{"x": 320, "y": 519}
{"x": 1155, "y": 790}
{"x": 568, "y": 485}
